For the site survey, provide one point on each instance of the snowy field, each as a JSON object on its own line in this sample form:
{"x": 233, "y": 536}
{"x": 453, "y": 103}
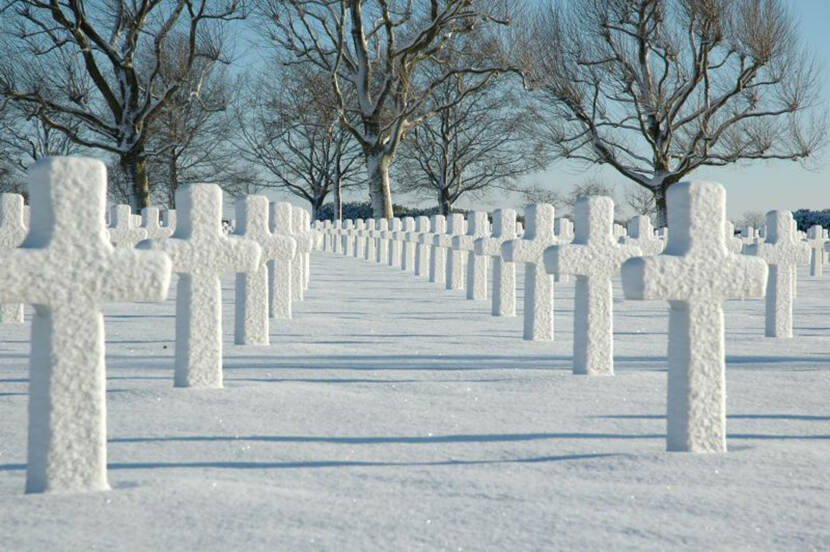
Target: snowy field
{"x": 391, "y": 414}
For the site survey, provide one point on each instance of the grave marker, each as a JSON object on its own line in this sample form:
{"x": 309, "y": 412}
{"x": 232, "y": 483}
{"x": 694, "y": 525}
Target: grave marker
{"x": 407, "y": 248}
{"x": 201, "y": 253}
{"x": 594, "y": 257}
{"x": 816, "y": 242}
{"x": 437, "y": 264}
{"x": 478, "y": 226}
{"x": 422, "y": 251}
{"x": 13, "y": 230}
{"x": 695, "y": 274}
{"x": 67, "y": 269}
{"x": 280, "y": 272}
{"x": 504, "y": 273}
{"x": 122, "y": 232}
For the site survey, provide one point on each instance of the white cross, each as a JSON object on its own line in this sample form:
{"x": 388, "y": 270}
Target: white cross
{"x": 641, "y": 235}
{"x": 595, "y": 257}
{"x": 122, "y": 231}
{"x": 696, "y": 273}
{"x": 504, "y": 273}
{"x": 382, "y": 245}
{"x": 538, "y": 301}
{"x": 280, "y": 272}
{"x": 347, "y": 238}
{"x": 782, "y": 251}
{"x": 422, "y": 251}
{"x": 13, "y": 229}
{"x": 201, "y": 253}
{"x": 67, "y": 269}
{"x": 394, "y": 254}
{"x": 454, "y": 277}
{"x": 816, "y": 242}
{"x": 563, "y": 229}
{"x": 359, "y": 238}
{"x": 369, "y": 241}
{"x": 151, "y": 223}
{"x": 407, "y": 248}
{"x": 437, "y": 259}
{"x": 478, "y": 226}
{"x": 733, "y": 244}
{"x": 301, "y": 232}
{"x": 252, "y": 297}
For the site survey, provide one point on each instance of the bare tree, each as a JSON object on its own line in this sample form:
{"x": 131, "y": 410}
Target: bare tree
{"x": 290, "y": 127}
{"x": 658, "y": 88}
{"x": 80, "y": 60}
{"x": 641, "y": 202}
{"x": 482, "y": 143}
{"x": 756, "y": 219}
{"x": 373, "y": 50}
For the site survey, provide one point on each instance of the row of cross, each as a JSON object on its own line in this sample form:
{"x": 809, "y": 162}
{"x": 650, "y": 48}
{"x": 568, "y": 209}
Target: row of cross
{"x": 696, "y": 264}
{"x": 67, "y": 267}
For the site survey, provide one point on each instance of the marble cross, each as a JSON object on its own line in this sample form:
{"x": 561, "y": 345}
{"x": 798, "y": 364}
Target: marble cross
{"x": 816, "y": 242}
{"x": 538, "y": 299}
{"x": 504, "y": 273}
{"x": 782, "y": 250}
{"x": 201, "y": 253}
{"x": 594, "y": 257}
{"x": 478, "y": 226}
{"x": 407, "y": 247}
{"x": 437, "y": 258}
{"x": 454, "y": 278}
{"x": 122, "y": 232}
{"x": 641, "y": 235}
{"x": 13, "y": 229}
{"x": 281, "y": 271}
{"x": 67, "y": 269}
{"x": 422, "y": 251}
{"x": 696, "y": 274}
{"x": 252, "y": 297}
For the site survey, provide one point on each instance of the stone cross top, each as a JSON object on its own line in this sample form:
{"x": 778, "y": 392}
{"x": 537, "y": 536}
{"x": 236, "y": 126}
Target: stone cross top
{"x": 369, "y": 241}
{"x": 641, "y": 235}
{"x": 595, "y": 257}
{"x": 122, "y": 231}
{"x": 437, "y": 261}
{"x": 478, "y": 226}
{"x": 782, "y": 250}
{"x": 454, "y": 278}
{"x": 816, "y": 242}
{"x": 151, "y": 224}
{"x": 252, "y": 305}
{"x": 695, "y": 274}
{"x": 381, "y": 243}
{"x": 67, "y": 269}
{"x": 407, "y": 247}
{"x": 201, "y": 253}
{"x": 422, "y": 251}
{"x": 394, "y": 253}
{"x": 504, "y": 273}
{"x": 280, "y": 271}
{"x": 13, "y": 229}
{"x": 301, "y": 232}
{"x": 359, "y": 238}
{"x": 538, "y": 302}
{"x": 347, "y": 238}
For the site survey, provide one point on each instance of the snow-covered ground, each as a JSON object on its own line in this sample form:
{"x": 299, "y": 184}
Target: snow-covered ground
{"x": 392, "y": 414}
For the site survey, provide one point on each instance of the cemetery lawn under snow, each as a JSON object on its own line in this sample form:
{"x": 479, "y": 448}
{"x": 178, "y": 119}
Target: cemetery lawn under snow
{"x": 393, "y": 414}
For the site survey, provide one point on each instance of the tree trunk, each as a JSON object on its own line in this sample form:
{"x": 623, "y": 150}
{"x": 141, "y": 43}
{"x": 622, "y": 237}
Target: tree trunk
{"x": 377, "y": 168}
{"x": 661, "y": 216}
{"x": 134, "y": 166}
{"x": 316, "y": 203}
{"x": 444, "y": 202}
{"x": 172, "y": 181}
{"x": 338, "y": 198}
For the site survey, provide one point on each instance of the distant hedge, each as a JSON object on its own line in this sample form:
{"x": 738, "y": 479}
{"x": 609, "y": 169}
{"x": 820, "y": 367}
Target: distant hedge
{"x": 805, "y": 218}
{"x": 364, "y": 211}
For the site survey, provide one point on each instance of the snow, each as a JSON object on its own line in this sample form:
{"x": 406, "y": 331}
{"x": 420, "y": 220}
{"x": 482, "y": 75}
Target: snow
{"x": 393, "y": 414}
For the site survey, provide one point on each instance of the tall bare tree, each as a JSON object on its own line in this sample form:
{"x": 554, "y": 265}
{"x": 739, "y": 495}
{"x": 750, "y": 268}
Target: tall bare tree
{"x": 373, "y": 50}
{"x": 659, "y": 88}
{"x": 480, "y": 144}
{"x": 80, "y": 60}
{"x": 290, "y": 127}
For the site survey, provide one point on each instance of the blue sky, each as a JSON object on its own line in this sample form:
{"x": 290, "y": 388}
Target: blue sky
{"x": 759, "y": 186}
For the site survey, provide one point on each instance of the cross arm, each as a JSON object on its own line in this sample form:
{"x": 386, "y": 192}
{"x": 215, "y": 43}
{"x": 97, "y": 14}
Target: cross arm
{"x": 463, "y": 243}
{"x": 137, "y": 276}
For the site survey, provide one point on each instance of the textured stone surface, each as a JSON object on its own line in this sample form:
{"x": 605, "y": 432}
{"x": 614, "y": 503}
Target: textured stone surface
{"x": 733, "y": 243}
{"x": 594, "y": 257}
{"x": 393, "y": 256}
{"x": 252, "y": 297}
{"x": 13, "y": 228}
{"x": 347, "y": 238}
{"x": 478, "y": 226}
{"x": 280, "y": 271}
{"x": 381, "y": 241}
{"x": 359, "y": 238}
{"x": 695, "y": 274}
{"x": 782, "y": 250}
{"x": 641, "y": 235}
{"x": 422, "y": 250}
{"x": 538, "y": 301}
{"x": 454, "y": 277}
{"x": 67, "y": 269}
{"x": 438, "y": 260}
{"x": 816, "y": 242}
{"x": 504, "y": 273}
{"x": 301, "y": 232}
{"x": 122, "y": 231}
{"x": 201, "y": 252}
{"x": 151, "y": 223}
{"x": 407, "y": 247}
{"x": 369, "y": 240}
